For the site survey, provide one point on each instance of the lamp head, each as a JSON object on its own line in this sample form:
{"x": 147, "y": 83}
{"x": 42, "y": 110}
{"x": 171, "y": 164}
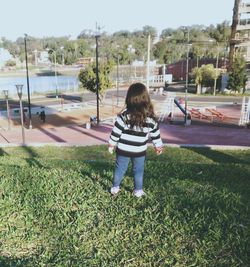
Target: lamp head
{"x": 6, "y": 93}
{"x": 19, "y": 88}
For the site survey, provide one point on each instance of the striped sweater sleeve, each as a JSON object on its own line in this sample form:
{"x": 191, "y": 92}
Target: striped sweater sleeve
{"x": 155, "y": 135}
{"x": 116, "y": 131}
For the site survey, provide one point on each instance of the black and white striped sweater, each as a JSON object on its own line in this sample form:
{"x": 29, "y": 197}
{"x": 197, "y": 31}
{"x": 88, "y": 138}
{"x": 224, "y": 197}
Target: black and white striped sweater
{"x": 133, "y": 142}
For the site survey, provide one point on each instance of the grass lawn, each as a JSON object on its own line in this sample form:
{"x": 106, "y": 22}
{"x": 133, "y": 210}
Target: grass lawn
{"x": 56, "y": 210}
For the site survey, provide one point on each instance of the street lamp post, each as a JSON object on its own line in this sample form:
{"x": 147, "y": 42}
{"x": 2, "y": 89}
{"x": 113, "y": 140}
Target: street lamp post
{"x": 117, "y": 81}
{"x": 216, "y": 68}
{"x": 130, "y": 50}
{"x": 148, "y": 61}
{"x": 6, "y": 93}
{"x": 19, "y": 88}
{"x": 62, "y": 48}
{"x": 55, "y": 70}
{"x": 27, "y": 75}
{"x": 186, "y": 85}
{"x": 35, "y": 53}
{"x": 97, "y": 77}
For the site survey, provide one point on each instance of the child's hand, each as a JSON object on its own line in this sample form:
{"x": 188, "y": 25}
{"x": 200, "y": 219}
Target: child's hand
{"x": 158, "y": 150}
{"x": 111, "y": 149}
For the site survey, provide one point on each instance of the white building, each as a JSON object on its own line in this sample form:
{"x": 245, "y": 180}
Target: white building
{"x": 4, "y": 56}
{"x": 43, "y": 58}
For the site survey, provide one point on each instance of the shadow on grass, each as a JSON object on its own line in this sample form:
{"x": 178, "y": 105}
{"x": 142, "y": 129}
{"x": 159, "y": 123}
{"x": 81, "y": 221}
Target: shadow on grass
{"x": 225, "y": 172}
{"x": 105, "y": 180}
{"x": 233, "y": 178}
{"x": 11, "y": 262}
{"x": 99, "y": 176}
{"x": 85, "y": 132}
{"x": 218, "y": 156}
{"x": 32, "y": 157}
{"x": 31, "y": 160}
{"x": 3, "y": 153}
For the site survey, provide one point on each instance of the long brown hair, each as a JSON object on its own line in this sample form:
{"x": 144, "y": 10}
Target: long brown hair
{"x": 138, "y": 105}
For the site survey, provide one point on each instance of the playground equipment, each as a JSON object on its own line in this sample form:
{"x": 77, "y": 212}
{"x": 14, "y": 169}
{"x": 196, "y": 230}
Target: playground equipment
{"x": 173, "y": 109}
{"x": 180, "y": 107}
{"x": 245, "y": 112}
{"x": 198, "y": 114}
{"x": 216, "y": 114}
{"x": 168, "y": 109}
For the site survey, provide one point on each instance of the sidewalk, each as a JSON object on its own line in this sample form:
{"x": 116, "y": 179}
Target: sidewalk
{"x": 68, "y": 128}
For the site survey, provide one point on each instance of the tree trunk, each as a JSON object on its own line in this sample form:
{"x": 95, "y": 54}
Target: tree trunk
{"x": 232, "y": 41}
{"x": 199, "y": 89}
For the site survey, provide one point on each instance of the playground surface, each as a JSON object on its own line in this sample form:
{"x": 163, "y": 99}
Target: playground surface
{"x": 69, "y": 128}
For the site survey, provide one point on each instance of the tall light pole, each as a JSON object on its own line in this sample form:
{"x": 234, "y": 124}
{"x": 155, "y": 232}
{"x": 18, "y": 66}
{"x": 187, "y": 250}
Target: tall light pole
{"x": 6, "y": 94}
{"x": 62, "y": 48}
{"x": 186, "y": 85}
{"x": 19, "y": 88}
{"x": 27, "y": 76}
{"x": 97, "y": 35}
{"x": 216, "y": 68}
{"x": 117, "y": 76}
{"x": 117, "y": 80}
{"x": 55, "y": 70}
{"x": 148, "y": 61}
{"x": 35, "y": 53}
{"x": 130, "y": 50}
{"x": 216, "y": 64}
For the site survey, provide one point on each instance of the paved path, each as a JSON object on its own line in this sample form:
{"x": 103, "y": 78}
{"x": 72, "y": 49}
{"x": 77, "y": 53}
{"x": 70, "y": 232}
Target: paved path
{"x": 205, "y": 135}
{"x": 54, "y": 132}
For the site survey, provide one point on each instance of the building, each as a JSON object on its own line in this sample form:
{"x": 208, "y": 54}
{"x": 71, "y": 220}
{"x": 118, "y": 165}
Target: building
{"x": 84, "y": 61}
{"x": 4, "y": 57}
{"x": 240, "y": 38}
{"x": 178, "y": 69}
{"x": 43, "y": 58}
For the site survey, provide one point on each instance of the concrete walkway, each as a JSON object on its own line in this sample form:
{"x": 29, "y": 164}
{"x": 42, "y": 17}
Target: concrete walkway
{"x": 69, "y": 129}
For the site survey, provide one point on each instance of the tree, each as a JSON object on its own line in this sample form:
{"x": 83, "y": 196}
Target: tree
{"x": 166, "y": 33}
{"x": 237, "y": 76}
{"x": 197, "y": 76}
{"x": 125, "y": 34}
{"x": 140, "y": 46}
{"x": 159, "y": 50}
{"x": 83, "y": 48}
{"x": 220, "y": 33}
{"x": 199, "y": 50}
{"x": 70, "y": 49}
{"x": 87, "y": 77}
{"x": 86, "y": 34}
{"x": 204, "y": 75}
{"x": 149, "y": 30}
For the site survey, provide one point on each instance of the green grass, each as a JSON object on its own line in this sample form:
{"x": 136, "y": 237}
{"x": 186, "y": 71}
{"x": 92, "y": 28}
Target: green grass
{"x": 56, "y": 210}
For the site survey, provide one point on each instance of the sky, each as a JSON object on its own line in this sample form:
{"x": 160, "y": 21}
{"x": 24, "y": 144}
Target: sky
{"x": 56, "y": 18}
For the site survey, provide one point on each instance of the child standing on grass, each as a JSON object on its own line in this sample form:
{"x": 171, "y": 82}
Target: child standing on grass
{"x": 130, "y": 135}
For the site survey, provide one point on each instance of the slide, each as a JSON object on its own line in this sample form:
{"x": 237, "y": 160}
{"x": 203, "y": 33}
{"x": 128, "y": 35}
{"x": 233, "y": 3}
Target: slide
{"x": 180, "y": 107}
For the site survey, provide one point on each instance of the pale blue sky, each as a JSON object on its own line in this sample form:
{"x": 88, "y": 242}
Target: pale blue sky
{"x": 62, "y": 18}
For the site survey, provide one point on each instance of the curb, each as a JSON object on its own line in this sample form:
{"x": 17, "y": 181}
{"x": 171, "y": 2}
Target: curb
{"x": 212, "y": 147}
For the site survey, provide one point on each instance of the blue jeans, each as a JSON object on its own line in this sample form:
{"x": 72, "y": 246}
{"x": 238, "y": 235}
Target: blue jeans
{"x": 121, "y": 167}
